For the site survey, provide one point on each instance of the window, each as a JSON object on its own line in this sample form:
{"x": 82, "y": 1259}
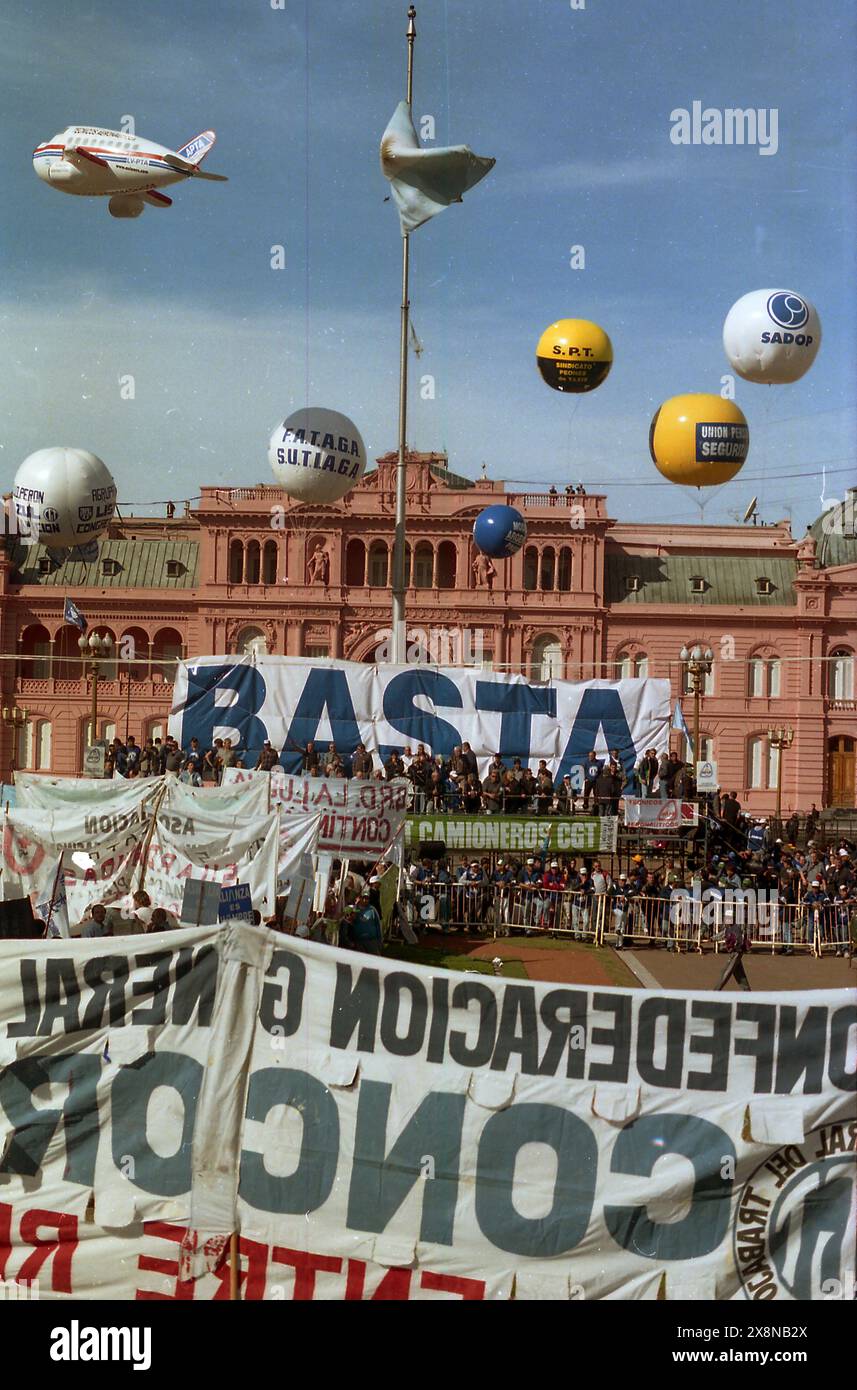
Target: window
{"x": 34, "y": 745}
{"x": 531, "y": 567}
{"x": 764, "y": 585}
{"x": 316, "y": 652}
{"x": 253, "y": 563}
{"x": 110, "y": 567}
{"x": 546, "y": 663}
{"x": 175, "y": 569}
{"x": 236, "y": 562}
{"x": 379, "y": 565}
{"x": 698, "y": 584}
{"x": 762, "y": 763}
{"x": 269, "y": 563}
{"x": 706, "y": 748}
{"x": 355, "y": 564}
{"x": 764, "y": 678}
{"x": 423, "y": 566}
{"x": 166, "y": 653}
{"x": 564, "y": 575}
{"x": 36, "y": 653}
{"x": 250, "y": 640}
{"x": 633, "y": 583}
{"x": 841, "y": 678}
{"x": 446, "y": 558}
{"x": 632, "y": 666}
{"x": 547, "y": 569}
{"x": 45, "y": 565}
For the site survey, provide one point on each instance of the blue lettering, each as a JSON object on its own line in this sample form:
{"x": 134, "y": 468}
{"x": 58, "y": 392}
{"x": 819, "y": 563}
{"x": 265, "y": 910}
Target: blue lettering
{"x": 417, "y": 724}
{"x": 599, "y": 709}
{"x": 517, "y": 704}
{"x": 324, "y": 690}
{"x": 201, "y": 715}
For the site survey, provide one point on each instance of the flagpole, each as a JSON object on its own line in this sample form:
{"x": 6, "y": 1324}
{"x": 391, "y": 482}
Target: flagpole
{"x": 398, "y": 635}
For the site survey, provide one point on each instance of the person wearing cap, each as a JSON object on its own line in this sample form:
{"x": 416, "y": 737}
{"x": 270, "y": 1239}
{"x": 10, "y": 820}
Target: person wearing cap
{"x": 267, "y": 758}
{"x": 553, "y": 882}
{"x": 844, "y": 911}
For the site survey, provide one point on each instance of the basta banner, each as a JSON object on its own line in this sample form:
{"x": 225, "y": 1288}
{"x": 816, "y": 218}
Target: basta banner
{"x": 292, "y": 702}
{"x": 377, "y": 1130}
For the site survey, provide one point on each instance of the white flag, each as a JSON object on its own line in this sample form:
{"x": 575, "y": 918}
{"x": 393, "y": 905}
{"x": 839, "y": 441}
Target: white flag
{"x": 424, "y": 182}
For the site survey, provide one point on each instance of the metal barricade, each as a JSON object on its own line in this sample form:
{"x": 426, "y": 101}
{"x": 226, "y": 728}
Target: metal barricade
{"x": 835, "y": 928}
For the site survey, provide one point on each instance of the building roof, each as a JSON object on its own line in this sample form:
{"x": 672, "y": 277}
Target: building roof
{"x": 728, "y": 579}
{"x": 835, "y": 532}
{"x": 142, "y": 564}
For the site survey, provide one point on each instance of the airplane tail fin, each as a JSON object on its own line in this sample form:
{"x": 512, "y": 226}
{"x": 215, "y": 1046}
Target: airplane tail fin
{"x": 196, "y": 149}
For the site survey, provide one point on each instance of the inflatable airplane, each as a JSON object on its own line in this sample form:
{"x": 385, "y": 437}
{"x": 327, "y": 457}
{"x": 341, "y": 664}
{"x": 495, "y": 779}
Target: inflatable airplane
{"x": 127, "y": 170}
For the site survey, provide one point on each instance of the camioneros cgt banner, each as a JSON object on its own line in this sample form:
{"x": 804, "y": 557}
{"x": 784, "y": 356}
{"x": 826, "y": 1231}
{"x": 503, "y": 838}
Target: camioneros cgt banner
{"x": 515, "y": 834}
{"x": 376, "y": 1130}
{"x": 291, "y": 702}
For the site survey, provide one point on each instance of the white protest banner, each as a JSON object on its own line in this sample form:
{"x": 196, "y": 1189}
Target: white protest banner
{"x": 216, "y": 848}
{"x": 669, "y": 815}
{"x": 377, "y": 1130}
{"x": 291, "y": 702}
{"x": 245, "y": 798}
{"x": 35, "y": 790}
{"x": 100, "y": 850}
{"x": 355, "y": 817}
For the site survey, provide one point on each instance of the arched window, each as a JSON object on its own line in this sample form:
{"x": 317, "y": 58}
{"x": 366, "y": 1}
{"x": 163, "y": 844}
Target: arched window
{"x": 423, "y": 566}
{"x": 167, "y": 649}
{"x": 250, "y": 640}
{"x": 67, "y": 661}
{"x": 379, "y": 565}
{"x": 632, "y": 666}
{"x": 236, "y": 562}
{"x": 253, "y": 563}
{"x": 531, "y": 567}
{"x": 133, "y": 653}
{"x": 763, "y": 681}
{"x": 546, "y": 662}
{"x": 355, "y": 564}
{"x": 706, "y": 748}
{"x": 269, "y": 562}
{"x": 762, "y": 763}
{"x": 841, "y": 678}
{"x": 547, "y": 569}
{"x": 35, "y": 653}
{"x": 564, "y": 576}
{"x": 34, "y": 745}
{"x": 446, "y": 564}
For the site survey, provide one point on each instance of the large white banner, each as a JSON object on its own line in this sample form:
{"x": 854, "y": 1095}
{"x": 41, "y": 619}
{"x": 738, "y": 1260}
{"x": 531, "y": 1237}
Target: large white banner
{"x": 356, "y": 818}
{"x": 35, "y": 790}
{"x": 377, "y": 1130}
{"x": 292, "y": 702}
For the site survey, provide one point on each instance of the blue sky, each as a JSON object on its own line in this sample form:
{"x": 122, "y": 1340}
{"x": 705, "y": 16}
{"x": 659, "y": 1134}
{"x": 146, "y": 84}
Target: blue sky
{"x": 574, "y": 105}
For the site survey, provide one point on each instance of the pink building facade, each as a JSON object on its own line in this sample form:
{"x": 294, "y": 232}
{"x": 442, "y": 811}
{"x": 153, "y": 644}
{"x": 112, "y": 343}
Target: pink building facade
{"x": 587, "y": 596}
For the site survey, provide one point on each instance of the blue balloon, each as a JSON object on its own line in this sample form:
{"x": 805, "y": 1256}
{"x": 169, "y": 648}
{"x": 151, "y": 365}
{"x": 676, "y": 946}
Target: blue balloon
{"x": 499, "y": 532}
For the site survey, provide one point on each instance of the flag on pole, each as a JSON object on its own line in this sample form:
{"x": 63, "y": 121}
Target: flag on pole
{"x": 72, "y": 614}
{"x": 680, "y": 723}
{"x": 424, "y": 182}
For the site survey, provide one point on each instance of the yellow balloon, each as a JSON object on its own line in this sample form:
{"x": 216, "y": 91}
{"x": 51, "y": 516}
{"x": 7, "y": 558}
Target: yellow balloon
{"x": 699, "y": 440}
{"x": 574, "y": 355}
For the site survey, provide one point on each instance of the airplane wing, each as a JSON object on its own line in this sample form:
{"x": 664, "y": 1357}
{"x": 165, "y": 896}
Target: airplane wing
{"x": 193, "y": 171}
{"x": 75, "y": 153}
{"x": 156, "y": 199}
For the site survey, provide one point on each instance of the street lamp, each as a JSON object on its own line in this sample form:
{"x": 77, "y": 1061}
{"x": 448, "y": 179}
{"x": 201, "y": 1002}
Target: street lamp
{"x": 698, "y": 662}
{"x": 99, "y": 649}
{"x": 780, "y": 738}
{"x": 15, "y": 719}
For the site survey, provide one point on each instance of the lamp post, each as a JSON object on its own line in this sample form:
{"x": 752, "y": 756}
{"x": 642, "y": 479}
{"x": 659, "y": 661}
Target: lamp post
{"x": 780, "y": 738}
{"x": 698, "y": 661}
{"x": 14, "y": 719}
{"x": 98, "y": 649}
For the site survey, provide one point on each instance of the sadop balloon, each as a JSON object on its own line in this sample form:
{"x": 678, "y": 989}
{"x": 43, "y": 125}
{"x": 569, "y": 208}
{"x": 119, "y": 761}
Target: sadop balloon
{"x": 499, "y": 532}
{"x": 574, "y": 355}
{"x": 63, "y": 497}
{"x": 699, "y": 440}
{"x": 317, "y": 455}
{"x": 772, "y": 336}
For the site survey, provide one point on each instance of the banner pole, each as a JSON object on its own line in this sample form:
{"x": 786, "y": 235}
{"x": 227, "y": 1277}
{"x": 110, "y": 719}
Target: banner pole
{"x": 234, "y": 1281}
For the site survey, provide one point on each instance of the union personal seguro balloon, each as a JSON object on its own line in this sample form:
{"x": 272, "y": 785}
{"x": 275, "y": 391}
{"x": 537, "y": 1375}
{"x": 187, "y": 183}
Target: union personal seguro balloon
{"x": 699, "y": 440}
{"x": 499, "y": 531}
{"x": 63, "y": 497}
{"x": 574, "y": 355}
{"x": 317, "y": 455}
{"x": 772, "y": 336}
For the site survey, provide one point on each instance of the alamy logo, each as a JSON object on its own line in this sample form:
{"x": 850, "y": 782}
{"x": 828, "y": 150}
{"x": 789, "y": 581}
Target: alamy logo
{"x": 731, "y": 126}
{"x": 76, "y": 1343}
{"x": 788, "y": 310}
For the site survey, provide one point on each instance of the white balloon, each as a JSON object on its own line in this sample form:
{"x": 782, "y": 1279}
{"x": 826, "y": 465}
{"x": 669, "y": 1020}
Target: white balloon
{"x": 317, "y": 455}
{"x": 772, "y": 336}
{"x": 63, "y": 497}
